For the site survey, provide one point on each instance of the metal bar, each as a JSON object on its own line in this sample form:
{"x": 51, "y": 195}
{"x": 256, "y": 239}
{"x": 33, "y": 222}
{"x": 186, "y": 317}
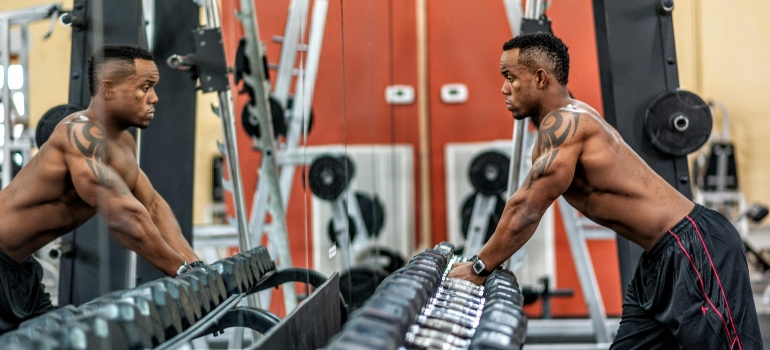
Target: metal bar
{"x": 342, "y": 231}
{"x": 29, "y": 14}
{"x": 563, "y": 330}
{"x": 586, "y": 273}
{"x": 269, "y": 169}
{"x": 294, "y": 23}
{"x": 24, "y": 58}
{"x": 483, "y": 206}
{"x": 306, "y": 87}
{"x": 228, "y": 125}
{"x": 203, "y": 324}
{"x": 5, "y": 60}
{"x": 517, "y": 159}
{"x": 514, "y": 13}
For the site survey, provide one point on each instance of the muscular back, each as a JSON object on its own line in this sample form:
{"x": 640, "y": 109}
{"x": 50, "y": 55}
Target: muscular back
{"x": 42, "y": 203}
{"x": 612, "y": 185}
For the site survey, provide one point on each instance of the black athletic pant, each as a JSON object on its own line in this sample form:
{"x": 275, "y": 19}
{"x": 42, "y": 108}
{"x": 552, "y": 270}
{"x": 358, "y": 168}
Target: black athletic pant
{"x": 692, "y": 291}
{"x": 22, "y": 295}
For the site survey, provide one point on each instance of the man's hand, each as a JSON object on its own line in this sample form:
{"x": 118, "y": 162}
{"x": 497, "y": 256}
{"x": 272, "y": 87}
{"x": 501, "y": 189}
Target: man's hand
{"x": 464, "y": 271}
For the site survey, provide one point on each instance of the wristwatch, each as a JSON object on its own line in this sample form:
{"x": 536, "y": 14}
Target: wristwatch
{"x": 479, "y": 268}
{"x": 187, "y": 267}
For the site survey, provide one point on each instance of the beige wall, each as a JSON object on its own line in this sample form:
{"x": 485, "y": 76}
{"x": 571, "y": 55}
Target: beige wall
{"x": 208, "y": 131}
{"x": 722, "y": 49}
{"x": 49, "y": 61}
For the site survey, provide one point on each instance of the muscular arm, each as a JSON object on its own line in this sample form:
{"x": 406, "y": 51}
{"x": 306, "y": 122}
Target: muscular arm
{"x": 560, "y": 146}
{"x": 101, "y": 187}
{"x": 163, "y": 217}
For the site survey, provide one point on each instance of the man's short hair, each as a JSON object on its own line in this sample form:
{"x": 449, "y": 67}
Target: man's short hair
{"x": 542, "y": 50}
{"x": 122, "y": 54}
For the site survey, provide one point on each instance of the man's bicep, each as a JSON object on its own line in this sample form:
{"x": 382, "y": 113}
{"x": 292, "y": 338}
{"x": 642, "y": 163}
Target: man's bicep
{"x": 551, "y": 174}
{"x": 560, "y": 148}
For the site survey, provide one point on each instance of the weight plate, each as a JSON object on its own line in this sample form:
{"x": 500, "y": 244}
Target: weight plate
{"x": 352, "y": 231}
{"x": 467, "y": 212}
{"x": 489, "y": 172}
{"x": 678, "y": 122}
{"x": 50, "y": 119}
{"x": 327, "y": 177}
{"x": 373, "y": 213}
{"x": 251, "y": 124}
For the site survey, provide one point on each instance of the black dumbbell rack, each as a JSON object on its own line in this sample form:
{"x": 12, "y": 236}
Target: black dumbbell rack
{"x": 419, "y": 307}
{"x": 160, "y": 314}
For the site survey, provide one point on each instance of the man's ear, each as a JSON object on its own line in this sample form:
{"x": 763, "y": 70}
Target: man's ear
{"x": 108, "y": 88}
{"x": 541, "y": 77}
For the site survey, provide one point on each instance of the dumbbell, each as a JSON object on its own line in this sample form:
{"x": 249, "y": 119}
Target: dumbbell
{"x": 78, "y": 335}
{"x": 249, "y": 280}
{"x": 422, "y": 342}
{"x": 417, "y": 331}
{"x": 160, "y": 329}
{"x": 429, "y": 282}
{"x": 201, "y": 289}
{"x": 397, "y": 290}
{"x": 363, "y": 331}
{"x": 52, "y": 319}
{"x": 264, "y": 256}
{"x": 32, "y": 343}
{"x": 28, "y": 338}
{"x": 233, "y": 276}
{"x": 445, "y": 326}
{"x": 217, "y": 284}
{"x": 384, "y": 310}
{"x": 255, "y": 263}
{"x": 169, "y": 312}
{"x": 188, "y": 304}
{"x": 438, "y": 260}
{"x": 462, "y": 286}
{"x": 489, "y": 339}
{"x": 124, "y": 317}
{"x": 446, "y": 248}
{"x": 352, "y": 341}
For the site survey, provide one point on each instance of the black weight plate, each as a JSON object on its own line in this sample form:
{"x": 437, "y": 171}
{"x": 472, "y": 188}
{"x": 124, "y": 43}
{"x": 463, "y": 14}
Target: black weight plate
{"x": 251, "y": 124}
{"x": 467, "y": 212}
{"x": 327, "y": 177}
{"x": 678, "y": 122}
{"x": 489, "y": 172}
{"x": 373, "y": 213}
{"x": 50, "y": 119}
{"x": 352, "y": 232}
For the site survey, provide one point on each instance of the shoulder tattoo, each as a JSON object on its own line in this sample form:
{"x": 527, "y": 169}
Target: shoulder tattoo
{"x": 89, "y": 140}
{"x": 552, "y": 133}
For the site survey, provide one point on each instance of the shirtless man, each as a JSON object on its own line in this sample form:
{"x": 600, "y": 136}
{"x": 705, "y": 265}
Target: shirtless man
{"x": 691, "y": 288}
{"x": 88, "y": 165}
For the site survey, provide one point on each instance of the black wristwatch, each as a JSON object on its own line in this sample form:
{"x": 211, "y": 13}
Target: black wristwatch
{"x": 479, "y": 268}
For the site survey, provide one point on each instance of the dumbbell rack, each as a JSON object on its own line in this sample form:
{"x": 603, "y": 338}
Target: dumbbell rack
{"x": 419, "y": 307}
{"x": 161, "y": 314}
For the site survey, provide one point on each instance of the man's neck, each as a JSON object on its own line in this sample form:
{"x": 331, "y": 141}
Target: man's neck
{"x": 554, "y": 99}
{"x": 99, "y": 114}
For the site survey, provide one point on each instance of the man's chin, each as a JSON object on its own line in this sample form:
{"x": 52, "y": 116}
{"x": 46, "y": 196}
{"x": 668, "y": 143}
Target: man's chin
{"x": 519, "y": 116}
